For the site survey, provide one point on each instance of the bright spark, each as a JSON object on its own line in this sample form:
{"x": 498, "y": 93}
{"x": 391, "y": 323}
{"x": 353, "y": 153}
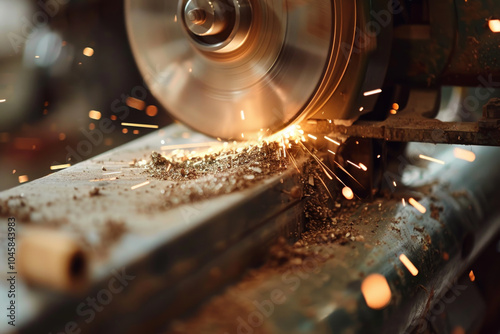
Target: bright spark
{"x": 331, "y": 140}
{"x": 243, "y": 115}
{"x": 417, "y": 205}
{"x": 424, "y": 157}
{"x": 2, "y": 100}
{"x": 347, "y": 192}
{"x": 494, "y": 25}
{"x": 149, "y": 126}
{"x": 312, "y": 137}
{"x": 139, "y": 185}
{"x": 363, "y": 167}
{"x": 94, "y": 114}
{"x": 376, "y": 291}
{"x": 462, "y": 154}
{"x": 331, "y": 152}
{"x": 408, "y": 264}
{"x": 89, "y": 52}
{"x": 394, "y": 183}
{"x": 472, "y": 277}
{"x": 111, "y": 173}
{"x": 23, "y": 178}
{"x": 57, "y": 167}
{"x": 352, "y": 163}
{"x": 373, "y": 92}
{"x": 403, "y": 201}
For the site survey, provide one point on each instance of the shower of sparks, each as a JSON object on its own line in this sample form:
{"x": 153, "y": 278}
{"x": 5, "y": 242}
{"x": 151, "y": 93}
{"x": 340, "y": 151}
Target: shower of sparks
{"x": 57, "y": 167}
{"x": 373, "y": 92}
{"x": 352, "y": 163}
{"x": 138, "y": 125}
{"x": 23, "y": 178}
{"x": 494, "y": 25}
{"x": 472, "y": 277}
{"x": 403, "y": 201}
{"x": 363, "y": 167}
{"x": 417, "y": 205}
{"x": 424, "y": 157}
{"x": 139, "y": 185}
{"x": 94, "y": 114}
{"x": 376, "y": 291}
{"x": 333, "y": 141}
{"x": 347, "y": 192}
{"x": 462, "y": 154}
{"x": 243, "y": 115}
{"x": 89, "y": 52}
{"x": 312, "y": 137}
{"x": 408, "y": 264}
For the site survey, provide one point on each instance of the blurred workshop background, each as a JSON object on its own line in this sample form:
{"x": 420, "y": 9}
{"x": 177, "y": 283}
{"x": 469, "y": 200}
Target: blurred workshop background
{"x": 68, "y": 81}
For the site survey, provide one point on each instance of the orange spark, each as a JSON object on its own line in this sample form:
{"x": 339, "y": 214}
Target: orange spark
{"x": 57, "y": 167}
{"x": 243, "y": 115}
{"x": 363, "y": 167}
{"x": 331, "y": 140}
{"x": 462, "y": 154}
{"x": 472, "y": 276}
{"x": 408, "y": 264}
{"x": 23, "y": 178}
{"x": 132, "y": 102}
{"x": 94, "y": 114}
{"x": 139, "y": 185}
{"x": 137, "y": 125}
{"x": 347, "y": 192}
{"x": 312, "y": 137}
{"x": 494, "y": 25}
{"x": 376, "y": 291}
{"x": 417, "y": 205}
{"x": 151, "y": 111}
{"x": 373, "y": 92}
{"x": 424, "y": 157}
{"x": 89, "y": 52}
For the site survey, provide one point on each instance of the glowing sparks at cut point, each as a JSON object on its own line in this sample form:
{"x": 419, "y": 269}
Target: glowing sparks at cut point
{"x": 408, "y": 264}
{"x": 417, "y": 205}
{"x": 376, "y": 291}
{"x": 424, "y": 157}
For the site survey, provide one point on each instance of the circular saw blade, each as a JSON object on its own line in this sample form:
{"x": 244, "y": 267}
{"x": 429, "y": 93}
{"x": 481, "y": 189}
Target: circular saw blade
{"x": 237, "y": 69}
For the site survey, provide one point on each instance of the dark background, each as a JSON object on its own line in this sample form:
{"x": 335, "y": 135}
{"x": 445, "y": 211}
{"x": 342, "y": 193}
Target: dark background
{"x": 50, "y": 85}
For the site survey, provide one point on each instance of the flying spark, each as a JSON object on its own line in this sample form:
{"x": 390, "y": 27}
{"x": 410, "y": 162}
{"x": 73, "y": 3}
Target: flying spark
{"x": 403, "y": 201}
{"x": 2, "y": 100}
{"x": 408, "y": 264}
{"x": 89, "y": 52}
{"x": 331, "y": 152}
{"x": 462, "y": 154}
{"x": 23, "y": 178}
{"x": 424, "y": 157}
{"x": 376, "y": 291}
{"x": 373, "y": 92}
{"x": 352, "y": 163}
{"x": 139, "y": 185}
{"x": 94, "y": 114}
{"x": 111, "y": 173}
{"x": 494, "y": 25}
{"x": 149, "y": 126}
{"x": 312, "y": 137}
{"x": 57, "y": 167}
{"x": 417, "y": 205}
{"x": 347, "y": 192}
{"x": 243, "y": 115}
{"x": 363, "y": 167}
{"x": 472, "y": 277}
{"x": 333, "y": 141}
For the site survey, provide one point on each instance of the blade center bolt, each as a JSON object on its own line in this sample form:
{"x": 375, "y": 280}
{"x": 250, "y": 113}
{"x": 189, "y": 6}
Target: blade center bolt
{"x": 197, "y": 16}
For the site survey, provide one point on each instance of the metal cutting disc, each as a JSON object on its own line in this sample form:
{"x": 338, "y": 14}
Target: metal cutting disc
{"x": 240, "y": 68}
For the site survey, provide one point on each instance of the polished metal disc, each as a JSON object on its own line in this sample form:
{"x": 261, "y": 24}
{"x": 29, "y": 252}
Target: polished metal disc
{"x": 240, "y": 68}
